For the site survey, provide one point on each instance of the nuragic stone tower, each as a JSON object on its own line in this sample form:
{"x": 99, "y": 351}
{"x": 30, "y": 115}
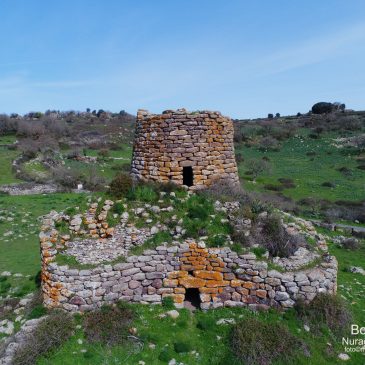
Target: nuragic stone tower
{"x": 187, "y": 148}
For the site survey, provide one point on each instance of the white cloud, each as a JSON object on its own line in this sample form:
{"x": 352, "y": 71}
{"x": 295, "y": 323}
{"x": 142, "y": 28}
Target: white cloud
{"x": 314, "y": 50}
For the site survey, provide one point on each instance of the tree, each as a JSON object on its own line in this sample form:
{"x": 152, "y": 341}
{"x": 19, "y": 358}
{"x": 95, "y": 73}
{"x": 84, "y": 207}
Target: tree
{"x": 258, "y": 167}
{"x": 277, "y": 115}
{"x": 270, "y": 115}
{"x": 322, "y": 108}
{"x": 100, "y": 112}
{"x": 87, "y": 110}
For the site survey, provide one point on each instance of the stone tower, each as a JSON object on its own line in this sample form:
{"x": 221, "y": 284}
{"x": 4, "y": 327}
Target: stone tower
{"x": 187, "y": 148}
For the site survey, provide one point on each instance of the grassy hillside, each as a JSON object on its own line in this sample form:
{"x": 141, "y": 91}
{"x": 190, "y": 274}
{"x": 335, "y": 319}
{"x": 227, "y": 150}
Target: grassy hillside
{"x": 302, "y": 163}
{"x": 310, "y": 163}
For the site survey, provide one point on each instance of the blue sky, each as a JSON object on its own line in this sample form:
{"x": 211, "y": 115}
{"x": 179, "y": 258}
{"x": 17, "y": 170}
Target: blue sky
{"x": 244, "y": 58}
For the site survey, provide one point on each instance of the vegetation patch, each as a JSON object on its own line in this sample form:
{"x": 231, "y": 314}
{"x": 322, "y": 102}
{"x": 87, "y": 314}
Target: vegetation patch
{"x": 109, "y": 325}
{"x": 324, "y": 312}
{"x": 48, "y": 336}
{"x": 257, "y": 343}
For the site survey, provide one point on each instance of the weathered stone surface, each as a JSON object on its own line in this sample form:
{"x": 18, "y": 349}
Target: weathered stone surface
{"x": 194, "y": 139}
{"x": 222, "y": 277}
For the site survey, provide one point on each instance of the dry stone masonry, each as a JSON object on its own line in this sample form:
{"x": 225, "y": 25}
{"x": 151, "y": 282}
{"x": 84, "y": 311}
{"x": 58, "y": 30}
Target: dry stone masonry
{"x": 187, "y": 148}
{"x": 215, "y": 276}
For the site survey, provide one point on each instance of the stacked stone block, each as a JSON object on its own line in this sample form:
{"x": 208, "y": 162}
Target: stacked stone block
{"x": 222, "y": 277}
{"x": 166, "y": 143}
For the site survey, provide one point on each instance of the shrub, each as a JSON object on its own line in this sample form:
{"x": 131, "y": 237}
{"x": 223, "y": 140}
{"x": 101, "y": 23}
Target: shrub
{"x": 206, "y": 323}
{"x": 145, "y": 193}
{"x": 199, "y": 207}
{"x": 325, "y": 310}
{"x": 194, "y": 227}
{"x": 259, "y": 251}
{"x": 256, "y": 343}
{"x": 35, "y": 308}
{"x": 276, "y": 239}
{"x": 165, "y": 355}
{"x": 269, "y": 144}
{"x": 4, "y": 287}
{"x": 328, "y": 184}
{"x": 217, "y": 240}
{"x": 103, "y": 153}
{"x": 37, "y": 312}
{"x": 181, "y": 347}
{"x": 118, "y": 208}
{"x": 224, "y": 190}
{"x": 66, "y": 177}
{"x": 273, "y": 187}
{"x": 350, "y": 244}
{"x": 287, "y": 183}
{"x": 345, "y": 171}
{"x": 258, "y": 167}
{"x": 109, "y": 325}
{"x": 168, "y": 302}
{"x": 322, "y": 108}
{"x": 238, "y": 237}
{"x": 49, "y": 335}
{"x": 121, "y": 185}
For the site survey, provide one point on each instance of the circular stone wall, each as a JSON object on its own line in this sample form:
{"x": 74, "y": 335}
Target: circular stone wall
{"x": 187, "y": 148}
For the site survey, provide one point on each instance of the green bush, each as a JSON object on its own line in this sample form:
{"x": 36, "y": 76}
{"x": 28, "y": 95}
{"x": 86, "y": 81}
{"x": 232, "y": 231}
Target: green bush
{"x": 145, "y": 193}
{"x": 256, "y": 343}
{"x": 194, "y": 228}
{"x": 118, "y": 208}
{"x": 121, "y": 185}
{"x": 181, "y": 347}
{"x": 276, "y": 239}
{"x": 165, "y": 355}
{"x": 199, "y": 207}
{"x": 49, "y": 335}
{"x": 259, "y": 251}
{"x": 326, "y": 311}
{"x": 37, "y": 312}
{"x": 4, "y": 287}
{"x": 217, "y": 240}
{"x": 168, "y": 303}
{"x": 206, "y": 323}
{"x": 109, "y": 325}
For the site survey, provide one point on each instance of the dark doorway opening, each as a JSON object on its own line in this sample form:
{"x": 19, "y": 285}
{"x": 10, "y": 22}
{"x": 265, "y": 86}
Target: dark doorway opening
{"x": 192, "y": 298}
{"x": 188, "y": 176}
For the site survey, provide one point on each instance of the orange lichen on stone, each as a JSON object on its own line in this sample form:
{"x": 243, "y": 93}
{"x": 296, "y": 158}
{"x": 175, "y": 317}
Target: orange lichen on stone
{"x": 248, "y": 285}
{"x": 216, "y": 283}
{"x": 178, "y": 298}
{"x": 261, "y": 293}
{"x": 211, "y": 275}
{"x": 170, "y": 283}
{"x": 192, "y": 282}
{"x": 177, "y": 274}
{"x": 236, "y": 283}
{"x": 208, "y": 290}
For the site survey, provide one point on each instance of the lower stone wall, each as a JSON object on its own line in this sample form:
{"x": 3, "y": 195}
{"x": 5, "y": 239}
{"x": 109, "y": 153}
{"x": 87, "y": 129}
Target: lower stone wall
{"x": 222, "y": 277}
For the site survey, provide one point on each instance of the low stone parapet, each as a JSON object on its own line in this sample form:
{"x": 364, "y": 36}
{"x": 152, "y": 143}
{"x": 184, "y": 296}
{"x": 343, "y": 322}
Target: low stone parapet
{"x": 221, "y": 276}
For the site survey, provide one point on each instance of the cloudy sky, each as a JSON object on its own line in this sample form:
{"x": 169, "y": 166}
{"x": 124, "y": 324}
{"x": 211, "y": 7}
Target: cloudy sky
{"x": 244, "y": 58}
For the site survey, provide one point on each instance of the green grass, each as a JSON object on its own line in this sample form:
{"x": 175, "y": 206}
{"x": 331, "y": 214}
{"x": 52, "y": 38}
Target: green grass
{"x": 20, "y": 250}
{"x": 35, "y": 169}
{"x": 8, "y": 139}
{"x": 308, "y": 172}
{"x": 6, "y": 158}
{"x": 163, "y": 338}
{"x": 107, "y": 167}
